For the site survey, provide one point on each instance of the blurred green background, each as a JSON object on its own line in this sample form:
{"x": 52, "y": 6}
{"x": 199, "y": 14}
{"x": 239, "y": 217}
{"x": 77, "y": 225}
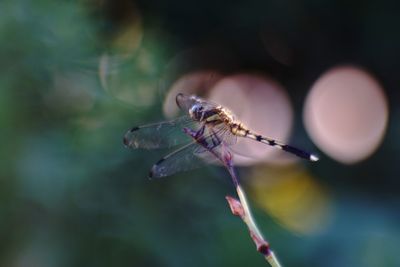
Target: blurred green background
{"x": 75, "y": 75}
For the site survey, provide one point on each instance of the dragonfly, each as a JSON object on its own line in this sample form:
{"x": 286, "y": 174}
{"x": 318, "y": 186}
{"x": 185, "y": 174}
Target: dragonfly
{"x": 206, "y": 133}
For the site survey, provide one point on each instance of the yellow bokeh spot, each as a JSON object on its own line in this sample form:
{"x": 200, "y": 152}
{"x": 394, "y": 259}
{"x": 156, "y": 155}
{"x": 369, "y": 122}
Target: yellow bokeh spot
{"x": 292, "y": 196}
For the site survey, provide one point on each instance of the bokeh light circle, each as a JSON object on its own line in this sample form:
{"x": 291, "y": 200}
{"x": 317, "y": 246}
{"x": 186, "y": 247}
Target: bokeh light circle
{"x": 346, "y": 114}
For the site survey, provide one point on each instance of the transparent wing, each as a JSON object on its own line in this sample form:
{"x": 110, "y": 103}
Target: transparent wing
{"x": 186, "y": 158}
{"x": 225, "y": 134}
{"x": 160, "y": 135}
{"x": 207, "y": 149}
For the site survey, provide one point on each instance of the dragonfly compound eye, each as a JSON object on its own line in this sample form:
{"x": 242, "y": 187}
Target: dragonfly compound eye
{"x": 197, "y": 112}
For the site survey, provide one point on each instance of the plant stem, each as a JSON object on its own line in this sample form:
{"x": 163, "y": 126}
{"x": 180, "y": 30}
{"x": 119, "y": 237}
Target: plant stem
{"x": 241, "y": 208}
{"x": 238, "y": 207}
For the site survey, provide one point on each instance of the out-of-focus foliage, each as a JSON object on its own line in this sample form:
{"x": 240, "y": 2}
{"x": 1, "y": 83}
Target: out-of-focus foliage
{"x": 75, "y": 75}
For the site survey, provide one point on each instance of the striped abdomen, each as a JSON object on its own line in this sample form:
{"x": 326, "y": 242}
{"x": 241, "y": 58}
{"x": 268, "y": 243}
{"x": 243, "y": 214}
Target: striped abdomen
{"x": 271, "y": 142}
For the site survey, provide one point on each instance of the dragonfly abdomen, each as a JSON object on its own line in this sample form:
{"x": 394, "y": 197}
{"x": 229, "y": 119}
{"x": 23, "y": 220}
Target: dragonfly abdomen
{"x": 293, "y": 150}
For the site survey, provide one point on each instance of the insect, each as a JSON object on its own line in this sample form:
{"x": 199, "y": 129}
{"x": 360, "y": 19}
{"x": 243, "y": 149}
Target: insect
{"x": 208, "y": 129}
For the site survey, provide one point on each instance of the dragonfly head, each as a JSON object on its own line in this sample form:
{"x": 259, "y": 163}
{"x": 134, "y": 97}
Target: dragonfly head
{"x": 197, "y": 112}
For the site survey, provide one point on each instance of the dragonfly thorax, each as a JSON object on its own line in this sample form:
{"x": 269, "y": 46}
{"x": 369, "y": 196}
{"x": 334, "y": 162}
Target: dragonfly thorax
{"x": 227, "y": 115}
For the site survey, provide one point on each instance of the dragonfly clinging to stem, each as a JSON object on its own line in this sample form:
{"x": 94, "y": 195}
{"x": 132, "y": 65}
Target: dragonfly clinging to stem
{"x": 208, "y": 128}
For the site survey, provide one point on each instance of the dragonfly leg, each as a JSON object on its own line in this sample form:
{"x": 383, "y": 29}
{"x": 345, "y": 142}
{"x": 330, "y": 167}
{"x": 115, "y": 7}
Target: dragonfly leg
{"x": 200, "y": 132}
{"x": 192, "y": 133}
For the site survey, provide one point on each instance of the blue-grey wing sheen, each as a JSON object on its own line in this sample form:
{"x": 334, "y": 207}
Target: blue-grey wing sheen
{"x": 185, "y": 158}
{"x": 208, "y": 149}
{"x": 159, "y": 135}
{"x": 188, "y": 157}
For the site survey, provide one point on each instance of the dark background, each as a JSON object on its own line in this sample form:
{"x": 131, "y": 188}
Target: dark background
{"x": 72, "y": 195}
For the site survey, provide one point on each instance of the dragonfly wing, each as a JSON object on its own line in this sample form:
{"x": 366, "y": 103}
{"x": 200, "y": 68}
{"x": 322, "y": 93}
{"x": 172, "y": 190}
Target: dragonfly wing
{"x": 188, "y": 157}
{"x": 160, "y": 135}
{"x": 208, "y": 148}
{"x": 224, "y": 133}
